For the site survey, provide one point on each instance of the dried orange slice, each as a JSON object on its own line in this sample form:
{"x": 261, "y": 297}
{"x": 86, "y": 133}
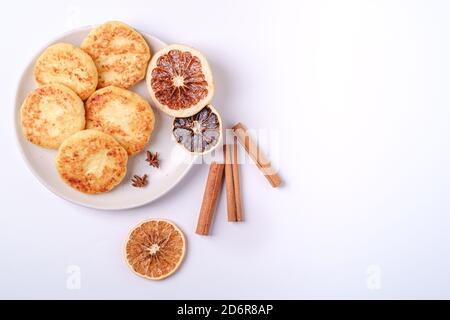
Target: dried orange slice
{"x": 155, "y": 249}
{"x": 200, "y": 133}
{"x": 180, "y": 80}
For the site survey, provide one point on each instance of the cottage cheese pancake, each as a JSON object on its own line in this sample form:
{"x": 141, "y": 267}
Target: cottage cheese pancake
{"x": 50, "y": 114}
{"x": 120, "y": 54}
{"x": 68, "y": 65}
{"x": 91, "y": 162}
{"x": 123, "y": 114}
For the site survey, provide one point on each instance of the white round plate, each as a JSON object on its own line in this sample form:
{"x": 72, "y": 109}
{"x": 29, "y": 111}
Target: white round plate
{"x": 174, "y": 161}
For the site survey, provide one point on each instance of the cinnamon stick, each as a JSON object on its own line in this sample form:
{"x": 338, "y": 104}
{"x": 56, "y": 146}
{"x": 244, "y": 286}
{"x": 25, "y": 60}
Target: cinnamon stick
{"x": 237, "y": 183}
{"x": 229, "y": 177}
{"x": 210, "y": 197}
{"x": 254, "y": 151}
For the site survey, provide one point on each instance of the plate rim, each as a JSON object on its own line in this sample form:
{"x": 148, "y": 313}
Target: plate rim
{"x": 18, "y": 131}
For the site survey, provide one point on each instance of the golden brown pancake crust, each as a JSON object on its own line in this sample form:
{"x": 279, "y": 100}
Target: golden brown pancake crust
{"x": 123, "y": 114}
{"x": 120, "y": 54}
{"x": 91, "y": 162}
{"x": 50, "y": 114}
{"x": 68, "y": 65}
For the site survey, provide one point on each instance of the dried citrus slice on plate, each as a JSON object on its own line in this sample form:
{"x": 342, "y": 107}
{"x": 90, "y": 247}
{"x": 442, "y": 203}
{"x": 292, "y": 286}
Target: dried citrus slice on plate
{"x": 200, "y": 133}
{"x": 180, "y": 80}
{"x": 155, "y": 249}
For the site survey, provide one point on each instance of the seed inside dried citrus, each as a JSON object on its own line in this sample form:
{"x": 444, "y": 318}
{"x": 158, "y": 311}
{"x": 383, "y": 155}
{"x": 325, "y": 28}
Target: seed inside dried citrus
{"x": 200, "y": 133}
{"x": 155, "y": 249}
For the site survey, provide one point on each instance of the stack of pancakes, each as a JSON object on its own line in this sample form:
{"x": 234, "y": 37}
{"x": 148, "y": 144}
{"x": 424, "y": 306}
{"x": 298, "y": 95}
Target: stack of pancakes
{"x": 83, "y": 107}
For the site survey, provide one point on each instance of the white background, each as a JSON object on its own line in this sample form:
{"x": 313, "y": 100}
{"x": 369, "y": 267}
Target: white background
{"x": 358, "y": 92}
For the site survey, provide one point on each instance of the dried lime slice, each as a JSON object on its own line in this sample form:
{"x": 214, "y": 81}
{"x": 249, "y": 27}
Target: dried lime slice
{"x": 200, "y": 133}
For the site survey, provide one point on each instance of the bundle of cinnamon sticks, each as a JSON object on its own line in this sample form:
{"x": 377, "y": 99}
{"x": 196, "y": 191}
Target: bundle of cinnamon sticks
{"x": 232, "y": 180}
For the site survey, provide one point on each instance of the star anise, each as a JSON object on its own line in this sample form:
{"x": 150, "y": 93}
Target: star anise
{"x": 139, "y": 182}
{"x": 152, "y": 159}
